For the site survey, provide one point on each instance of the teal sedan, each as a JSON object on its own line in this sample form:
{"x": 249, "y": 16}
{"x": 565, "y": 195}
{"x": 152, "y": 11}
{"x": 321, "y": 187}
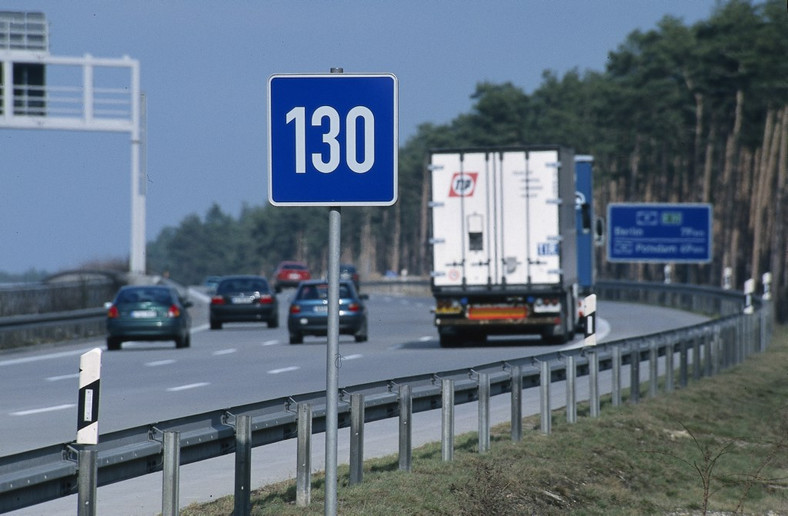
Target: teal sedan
{"x": 152, "y": 312}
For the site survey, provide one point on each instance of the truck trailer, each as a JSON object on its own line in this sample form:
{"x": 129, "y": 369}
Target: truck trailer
{"x": 504, "y": 243}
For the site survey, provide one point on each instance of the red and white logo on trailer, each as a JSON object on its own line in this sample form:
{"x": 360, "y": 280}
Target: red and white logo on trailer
{"x": 463, "y": 184}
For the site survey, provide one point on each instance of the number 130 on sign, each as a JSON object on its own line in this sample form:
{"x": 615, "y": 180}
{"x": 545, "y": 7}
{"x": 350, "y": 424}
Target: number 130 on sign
{"x": 332, "y": 140}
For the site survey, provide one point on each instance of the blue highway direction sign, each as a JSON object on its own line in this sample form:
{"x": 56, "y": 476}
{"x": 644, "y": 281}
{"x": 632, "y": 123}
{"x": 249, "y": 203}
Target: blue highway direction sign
{"x": 332, "y": 139}
{"x": 656, "y": 232}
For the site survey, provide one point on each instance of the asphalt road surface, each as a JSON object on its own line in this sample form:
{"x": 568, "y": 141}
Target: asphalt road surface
{"x": 247, "y": 362}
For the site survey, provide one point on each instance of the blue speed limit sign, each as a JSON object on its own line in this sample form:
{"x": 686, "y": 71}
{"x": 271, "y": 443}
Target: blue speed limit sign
{"x": 332, "y": 139}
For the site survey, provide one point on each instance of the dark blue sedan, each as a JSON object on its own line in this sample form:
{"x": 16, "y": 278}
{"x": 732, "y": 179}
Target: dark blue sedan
{"x": 308, "y": 313}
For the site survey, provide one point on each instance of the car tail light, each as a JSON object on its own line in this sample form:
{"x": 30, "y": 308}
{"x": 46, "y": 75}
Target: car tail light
{"x": 113, "y": 313}
{"x": 266, "y": 299}
{"x": 217, "y": 300}
{"x": 294, "y": 309}
{"x": 174, "y": 311}
{"x": 354, "y": 307}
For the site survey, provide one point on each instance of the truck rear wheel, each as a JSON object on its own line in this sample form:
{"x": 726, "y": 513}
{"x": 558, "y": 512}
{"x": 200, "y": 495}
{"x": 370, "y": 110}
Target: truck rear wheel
{"x": 449, "y": 341}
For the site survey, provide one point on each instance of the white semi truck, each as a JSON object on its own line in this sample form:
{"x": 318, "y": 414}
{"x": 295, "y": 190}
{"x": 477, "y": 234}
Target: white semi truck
{"x": 504, "y": 246}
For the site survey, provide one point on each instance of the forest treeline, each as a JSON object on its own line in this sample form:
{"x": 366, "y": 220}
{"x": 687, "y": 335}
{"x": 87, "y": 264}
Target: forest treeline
{"x": 681, "y": 113}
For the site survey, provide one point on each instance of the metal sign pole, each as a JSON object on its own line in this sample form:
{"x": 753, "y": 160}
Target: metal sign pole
{"x": 332, "y": 359}
{"x": 332, "y": 354}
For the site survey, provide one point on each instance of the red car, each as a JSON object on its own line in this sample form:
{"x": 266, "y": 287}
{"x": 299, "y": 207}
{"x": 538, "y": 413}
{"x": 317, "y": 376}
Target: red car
{"x": 290, "y": 274}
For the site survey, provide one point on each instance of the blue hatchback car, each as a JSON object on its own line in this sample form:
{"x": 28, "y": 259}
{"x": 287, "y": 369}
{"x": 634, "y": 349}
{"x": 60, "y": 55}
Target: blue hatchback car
{"x": 308, "y": 313}
{"x": 152, "y": 312}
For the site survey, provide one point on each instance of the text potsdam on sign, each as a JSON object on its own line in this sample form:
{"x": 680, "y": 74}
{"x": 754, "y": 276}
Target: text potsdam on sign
{"x": 332, "y": 139}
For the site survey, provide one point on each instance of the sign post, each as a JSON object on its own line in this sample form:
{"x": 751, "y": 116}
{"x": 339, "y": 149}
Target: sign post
{"x": 332, "y": 141}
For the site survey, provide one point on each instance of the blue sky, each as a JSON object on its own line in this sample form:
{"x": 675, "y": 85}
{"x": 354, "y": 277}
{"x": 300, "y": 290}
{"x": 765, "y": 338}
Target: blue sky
{"x": 65, "y": 196}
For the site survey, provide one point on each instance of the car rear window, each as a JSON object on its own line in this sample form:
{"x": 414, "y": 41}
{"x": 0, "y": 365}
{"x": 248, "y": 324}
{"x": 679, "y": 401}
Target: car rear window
{"x": 243, "y": 285}
{"x": 156, "y": 295}
{"x": 321, "y": 292}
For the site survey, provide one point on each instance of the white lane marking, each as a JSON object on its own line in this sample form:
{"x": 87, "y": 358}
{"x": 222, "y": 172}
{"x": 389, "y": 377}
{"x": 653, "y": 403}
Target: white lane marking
{"x": 352, "y": 357}
{"x": 426, "y": 338}
{"x": 283, "y": 370}
{"x": 224, "y": 352}
{"x": 187, "y": 387}
{"x": 25, "y": 360}
{"x": 157, "y": 363}
{"x": 62, "y": 377}
{"x": 270, "y": 343}
{"x": 42, "y": 410}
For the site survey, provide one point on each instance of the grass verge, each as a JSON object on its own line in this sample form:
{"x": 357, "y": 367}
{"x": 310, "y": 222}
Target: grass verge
{"x": 720, "y": 445}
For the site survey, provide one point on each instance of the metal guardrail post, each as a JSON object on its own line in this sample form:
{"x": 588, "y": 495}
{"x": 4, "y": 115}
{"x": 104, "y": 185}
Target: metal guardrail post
{"x": 356, "y": 438}
{"x": 405, "y": 428}
{"x": 170, "y": 499}
{"x": 243, "y": 466}
{"x": 683, "y": 362}
{"x": 304, "y": 456}
{"x": 653, "y": 369}
{"x": 544, "y": 397}
{"x": 517, "y": 404}
{"x": 708, "y": 338}
{"x": 669, "y": 364}
{"x": 447, "y": 419}
{"x": 696, "y": 364}
{"x": 615, "y": 372}
{"x": 634, "y": 375}
{"x": 484, "y": 412}
{"x": 87, "y": 482}
{"x": 593, "y": 383}
{"x": 571, "y": 389}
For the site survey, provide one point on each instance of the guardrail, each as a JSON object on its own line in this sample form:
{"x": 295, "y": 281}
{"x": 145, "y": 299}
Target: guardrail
{"x": 43, "y": 474}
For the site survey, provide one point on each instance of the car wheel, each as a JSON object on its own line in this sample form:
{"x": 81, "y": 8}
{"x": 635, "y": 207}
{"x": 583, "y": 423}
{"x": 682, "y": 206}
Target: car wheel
{"x": 113, "y": 343}
{"x": 183, "y": 342}
{"x": 274, "y": 321}
{"x": 361, "y": 335}
{"x": 296, "y": 338}
{"x": 216, "y": 325}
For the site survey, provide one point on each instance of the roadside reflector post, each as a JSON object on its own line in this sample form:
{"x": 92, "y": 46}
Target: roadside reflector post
{"x": 589, "y": 311}
{"x": 767, "y": 286}
{"x": 749, "y": 289}
{"x": 87, "y": 430}
{"x": 727, "y": 278}
{"x": 89, "y": 389}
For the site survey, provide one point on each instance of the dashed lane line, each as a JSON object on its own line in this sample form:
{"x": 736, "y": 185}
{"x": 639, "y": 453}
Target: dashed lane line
{"x": 187, "y": 387}
{"x": 42, "y": 410}
{"x": 283, "y": 370}
{"x": 157, "y": 363}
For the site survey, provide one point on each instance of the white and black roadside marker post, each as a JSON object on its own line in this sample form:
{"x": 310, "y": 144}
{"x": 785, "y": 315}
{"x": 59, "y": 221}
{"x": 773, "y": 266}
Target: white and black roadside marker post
{"x": 87, "y": 430}
{"x": 589, "y": 311}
